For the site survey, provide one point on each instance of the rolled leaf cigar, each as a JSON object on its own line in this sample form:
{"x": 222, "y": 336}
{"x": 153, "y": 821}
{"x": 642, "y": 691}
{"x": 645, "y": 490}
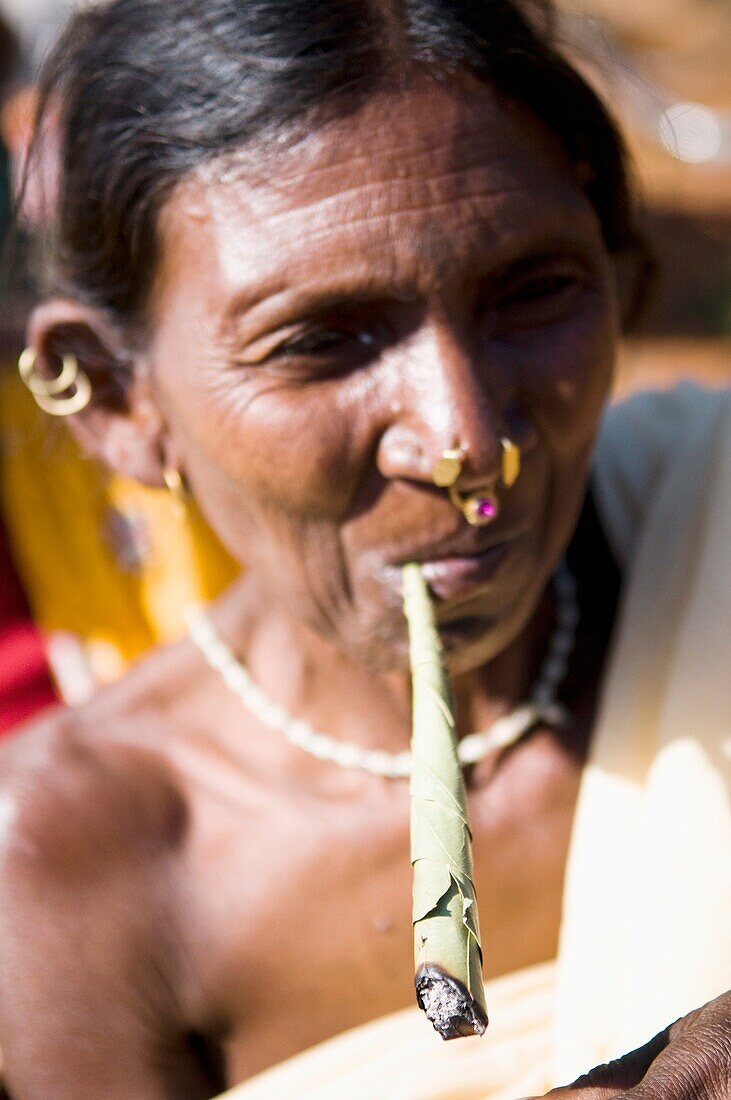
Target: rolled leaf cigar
{"x": 447, "y": 951}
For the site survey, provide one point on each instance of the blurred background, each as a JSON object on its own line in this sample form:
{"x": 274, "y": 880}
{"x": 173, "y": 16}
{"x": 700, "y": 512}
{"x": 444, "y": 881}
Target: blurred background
{"x": 663, "y": 65}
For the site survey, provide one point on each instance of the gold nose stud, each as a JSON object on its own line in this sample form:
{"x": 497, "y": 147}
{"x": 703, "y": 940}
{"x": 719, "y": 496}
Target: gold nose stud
{"x": 510, "y": 467}
{"x": 448, "y": 467}
{"x": 478, "y": 507}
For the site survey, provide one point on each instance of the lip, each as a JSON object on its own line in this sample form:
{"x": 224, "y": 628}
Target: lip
{"x": 450, "y": 577}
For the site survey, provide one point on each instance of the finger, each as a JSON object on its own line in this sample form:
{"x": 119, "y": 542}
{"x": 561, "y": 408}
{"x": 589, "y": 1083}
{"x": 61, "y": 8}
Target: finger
{"x": 697, "y": 1060}
{"x": 570, "y": 1092}
{"x": 615, "y": 1078}
{"x": 577, "y": 1092}
{"x": 574, "y": 1092}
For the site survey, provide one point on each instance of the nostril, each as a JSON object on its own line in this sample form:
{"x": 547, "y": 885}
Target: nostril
{"x": 400, "y": 454}
{"x": 519, "y": 428}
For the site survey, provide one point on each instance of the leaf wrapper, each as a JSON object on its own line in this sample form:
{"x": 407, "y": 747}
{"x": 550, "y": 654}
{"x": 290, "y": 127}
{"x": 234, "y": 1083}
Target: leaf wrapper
{"x": 447, "y": 949}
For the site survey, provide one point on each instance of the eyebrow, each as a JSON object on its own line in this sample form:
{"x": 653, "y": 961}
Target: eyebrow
{"x": 367, "y": 286}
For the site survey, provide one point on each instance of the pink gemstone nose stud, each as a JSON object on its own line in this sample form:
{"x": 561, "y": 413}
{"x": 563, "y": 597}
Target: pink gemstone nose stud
{"x": 479, "y": 507}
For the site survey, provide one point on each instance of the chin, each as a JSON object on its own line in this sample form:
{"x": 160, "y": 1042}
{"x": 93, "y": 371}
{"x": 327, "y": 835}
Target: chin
{"x": 475, "y": 640}
{"x": 479, "y": 630}
{"x": 475, "y": 627}
{"x": 471, "y": 636}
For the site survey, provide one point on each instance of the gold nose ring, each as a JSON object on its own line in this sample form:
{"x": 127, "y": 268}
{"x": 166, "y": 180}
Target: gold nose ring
{"x": 480, "y": 506}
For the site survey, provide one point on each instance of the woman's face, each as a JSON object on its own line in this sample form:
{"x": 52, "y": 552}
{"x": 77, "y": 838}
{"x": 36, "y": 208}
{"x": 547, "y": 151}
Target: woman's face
{"x": 424, "y": 274}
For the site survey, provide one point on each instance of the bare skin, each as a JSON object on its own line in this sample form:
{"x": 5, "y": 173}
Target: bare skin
{"x": 272, "y": 890}
{"x": 190, "y": 898}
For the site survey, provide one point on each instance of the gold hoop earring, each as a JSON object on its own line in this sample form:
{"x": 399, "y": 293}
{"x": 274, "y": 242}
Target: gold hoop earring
{"x": 45, "y": 391}
{"x": 174, "y": 482}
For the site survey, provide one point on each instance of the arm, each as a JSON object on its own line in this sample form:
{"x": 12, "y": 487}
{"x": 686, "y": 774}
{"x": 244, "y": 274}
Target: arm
{"x": 90, "y": 953}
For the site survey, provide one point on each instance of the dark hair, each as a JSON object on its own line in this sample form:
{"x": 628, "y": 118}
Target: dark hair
{"x": 146, "y": 90}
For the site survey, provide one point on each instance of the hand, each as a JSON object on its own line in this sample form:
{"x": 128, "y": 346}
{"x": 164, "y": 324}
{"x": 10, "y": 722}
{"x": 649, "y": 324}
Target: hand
{"x": 690, "y": 1060}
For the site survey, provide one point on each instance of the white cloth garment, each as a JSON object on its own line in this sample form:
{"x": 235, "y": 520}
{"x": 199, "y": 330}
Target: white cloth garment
{"x": 646, "y": 933}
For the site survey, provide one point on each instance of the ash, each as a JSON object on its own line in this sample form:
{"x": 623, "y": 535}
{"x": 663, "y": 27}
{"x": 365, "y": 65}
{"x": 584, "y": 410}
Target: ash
{"x": 448, "y": 1005}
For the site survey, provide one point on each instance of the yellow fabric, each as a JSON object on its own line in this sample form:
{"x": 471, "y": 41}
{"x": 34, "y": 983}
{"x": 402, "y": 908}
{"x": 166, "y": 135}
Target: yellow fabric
{"x": 59, "y": 510}
{"x": 647, "y": 905}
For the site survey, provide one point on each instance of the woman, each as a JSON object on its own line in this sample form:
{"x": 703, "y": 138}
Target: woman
{"x": 328, "y": 269}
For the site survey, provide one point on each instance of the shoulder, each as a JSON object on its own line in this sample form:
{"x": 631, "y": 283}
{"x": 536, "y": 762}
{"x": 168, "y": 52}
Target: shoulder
{"x": 94, "y": 940}
{"x": 643, "y": 432}
{"x": 655, "y": 446}
{"x": 81, "y": 806}
{"x": 91, "y": 832}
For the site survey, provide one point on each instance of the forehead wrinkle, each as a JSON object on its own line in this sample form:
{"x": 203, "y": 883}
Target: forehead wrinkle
{"x": 320, "y": 187}
{"x": 296, "y": 176}
{"x": 381, "y": 198}
{"x": 389, "y": 211}
{"x": 484, "y": 178}
{"x": 305, "y": 176}
{"x": 393, "y": 238}
{"x": 483, "y": 214}
{"x": 466, "y": 110}
{"x": 391, "y": 144}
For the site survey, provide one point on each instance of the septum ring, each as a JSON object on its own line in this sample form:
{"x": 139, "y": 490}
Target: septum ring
{"x": 479, "y": 506}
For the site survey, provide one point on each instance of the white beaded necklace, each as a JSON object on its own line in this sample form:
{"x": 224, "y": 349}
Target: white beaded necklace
{"x": 541, "y": 707}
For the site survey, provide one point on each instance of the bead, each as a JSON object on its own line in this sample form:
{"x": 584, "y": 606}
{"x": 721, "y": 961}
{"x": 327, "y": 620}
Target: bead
{"x": 476, "y": 746}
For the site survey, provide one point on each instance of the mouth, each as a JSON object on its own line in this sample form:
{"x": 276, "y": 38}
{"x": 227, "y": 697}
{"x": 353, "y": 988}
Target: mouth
{"x": 461, "y": 566}
{"x": 454, "y": 576}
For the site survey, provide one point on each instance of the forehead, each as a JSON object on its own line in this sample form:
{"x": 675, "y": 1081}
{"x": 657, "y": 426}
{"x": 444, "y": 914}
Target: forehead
{"x": 410, "y": 183}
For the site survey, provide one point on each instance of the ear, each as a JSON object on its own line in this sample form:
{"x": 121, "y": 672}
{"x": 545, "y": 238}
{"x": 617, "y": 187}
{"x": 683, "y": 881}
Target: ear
{"x": 122, "y": 425}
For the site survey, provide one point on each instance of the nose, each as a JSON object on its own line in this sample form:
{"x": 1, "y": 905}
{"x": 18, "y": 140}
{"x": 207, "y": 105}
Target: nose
{"x": 442, "y": 398}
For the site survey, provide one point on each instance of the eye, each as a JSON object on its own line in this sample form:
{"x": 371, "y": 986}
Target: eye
{"x": 321, "y": 351}
{"x": 535, "y": 290}
{"x": 538, "y": 297}
{"x": 322, "y": 340}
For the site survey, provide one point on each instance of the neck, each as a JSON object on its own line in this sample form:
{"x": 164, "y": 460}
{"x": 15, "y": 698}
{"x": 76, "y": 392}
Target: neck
{"x": 311, "y": 678}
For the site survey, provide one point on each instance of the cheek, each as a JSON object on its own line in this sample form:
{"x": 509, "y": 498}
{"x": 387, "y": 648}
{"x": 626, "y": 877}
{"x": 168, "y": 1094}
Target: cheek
{"x": 567, "y": 379}
{"x": 566, "y": 374}
{"x": 274, "y": 445}
{"x": 281, "y": 474}
{"x": 272, "y": 465}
